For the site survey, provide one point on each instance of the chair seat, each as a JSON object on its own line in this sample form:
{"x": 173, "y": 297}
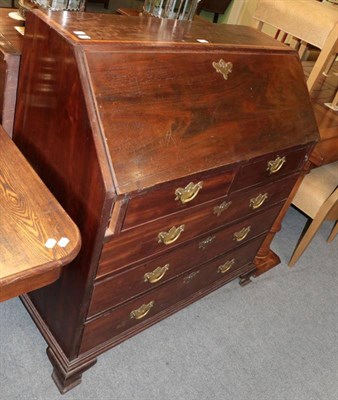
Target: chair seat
{"x": 308, "y": 20}
{"x": 316, "y": 188}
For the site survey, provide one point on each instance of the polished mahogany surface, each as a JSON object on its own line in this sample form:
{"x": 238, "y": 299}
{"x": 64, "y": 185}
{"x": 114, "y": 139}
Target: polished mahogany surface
{"x": 29, "y": 218}
{"x": 174, "y": 165}
{"x": 155, "y": 32}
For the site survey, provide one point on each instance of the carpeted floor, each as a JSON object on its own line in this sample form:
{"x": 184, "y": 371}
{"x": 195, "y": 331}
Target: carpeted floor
{"x": 275, "y": 339}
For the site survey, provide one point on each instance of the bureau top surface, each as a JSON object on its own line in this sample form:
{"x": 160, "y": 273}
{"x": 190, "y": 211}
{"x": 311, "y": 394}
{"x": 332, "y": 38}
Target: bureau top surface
{"x": 112, "y": 29}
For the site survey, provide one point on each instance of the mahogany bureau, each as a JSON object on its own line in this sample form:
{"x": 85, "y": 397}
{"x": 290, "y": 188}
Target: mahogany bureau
{"x": 174, "y": 147}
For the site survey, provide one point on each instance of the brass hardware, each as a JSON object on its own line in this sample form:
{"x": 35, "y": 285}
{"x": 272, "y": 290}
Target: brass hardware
{"x": 203, "y": 245}
{"x": 190, "y": 277}
{"x": 226, "y": 266}
{"x": 223, "y": 68}
{"x": 223, "y": 206}
{"x": 242, "y": 234}
{"x": 157, "y": 274}
{"x": 256, "y": 202}
{"x": 142, "y": 311}
{"x": 189, "y": 192}
{"x": 275, "y": 165}
{"x": 171, "y": 236}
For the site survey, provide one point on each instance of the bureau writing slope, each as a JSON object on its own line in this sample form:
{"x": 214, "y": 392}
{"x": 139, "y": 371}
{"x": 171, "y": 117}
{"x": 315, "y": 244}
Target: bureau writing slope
{"x": 174, "y": 146}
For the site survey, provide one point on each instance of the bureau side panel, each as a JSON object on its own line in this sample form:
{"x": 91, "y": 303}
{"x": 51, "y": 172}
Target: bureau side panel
{"x": 54, "y": 130}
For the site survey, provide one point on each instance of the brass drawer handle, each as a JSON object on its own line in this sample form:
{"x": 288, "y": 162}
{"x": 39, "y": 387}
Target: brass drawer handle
{"x": 275, "y": 165}
{"x": 226, "y": 266}
{"x": 171, "y": 236}
{"x": 142, "y": 311}
{"x": 157, "y": 274}
{"x": 205, "y": 243}
{"x": 223, "y": 67}
{"x": 189, "y": 192}
{"x": 256, "y": 202}
{"x": 242, "y": 234}
{"x": 222, "y": 207}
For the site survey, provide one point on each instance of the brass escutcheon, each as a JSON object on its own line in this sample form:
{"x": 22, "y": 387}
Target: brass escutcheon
{"x": 275, "y": 165}
{"x": 142, "y": 311}
{"x": 223, "y": 68}
{"x": 204, "y": 243}
{"x": 189, "y": 192}
{"x": 256, "y": 202}
{"x": 242, "y": 234}
{"x": 171, "y": 236}
{"x": 222, "y": 207}
{"x": 226, "y": 266}
{"x": 157, "y": 274}
{"x": 190, "y": 277}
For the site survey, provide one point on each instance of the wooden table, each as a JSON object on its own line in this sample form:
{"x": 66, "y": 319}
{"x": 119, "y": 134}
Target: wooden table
{"x": 32, "y": 225}
{"x": 326, "y": 150}
{"x": 10, "y": 54}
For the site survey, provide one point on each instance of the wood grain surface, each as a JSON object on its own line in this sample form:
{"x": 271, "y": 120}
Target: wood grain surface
{"x": 29, "y": 217}
{"x": 136, "y": 30}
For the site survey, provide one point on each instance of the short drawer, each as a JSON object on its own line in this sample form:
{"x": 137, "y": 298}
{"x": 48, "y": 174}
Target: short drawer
{"x": 176, "y": 196}
{"x": 135, "y": 281}
{"x": 271, "y": 166}
{"x": 244, "y": 203}
{"x": 144, "y": 308}
{"x": 126, "y": 249}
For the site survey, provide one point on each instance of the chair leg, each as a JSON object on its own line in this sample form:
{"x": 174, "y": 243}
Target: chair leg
{"x": 259, "y": 25}
{"x": 323, "y": 59}
{"x": 306, "y": 239}
{"x": 333, "y": 233}
{"x": 302, "y": 49}
{"x": 335, "y": 100}
{"x": 324, "y": 212}
{"x": 329, "y": 64}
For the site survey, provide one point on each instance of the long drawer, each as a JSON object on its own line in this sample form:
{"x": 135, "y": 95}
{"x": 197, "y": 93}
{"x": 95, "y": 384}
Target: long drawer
{"x": 144, "y": 241}
{"x": 115, "y": 290}
{"x": 113, "y": 323}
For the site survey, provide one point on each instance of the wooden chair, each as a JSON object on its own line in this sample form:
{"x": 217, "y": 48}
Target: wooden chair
{"x": 317, "y": 197}
{"x": 214, "y": 6}
{"x": 309, "y": 22}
